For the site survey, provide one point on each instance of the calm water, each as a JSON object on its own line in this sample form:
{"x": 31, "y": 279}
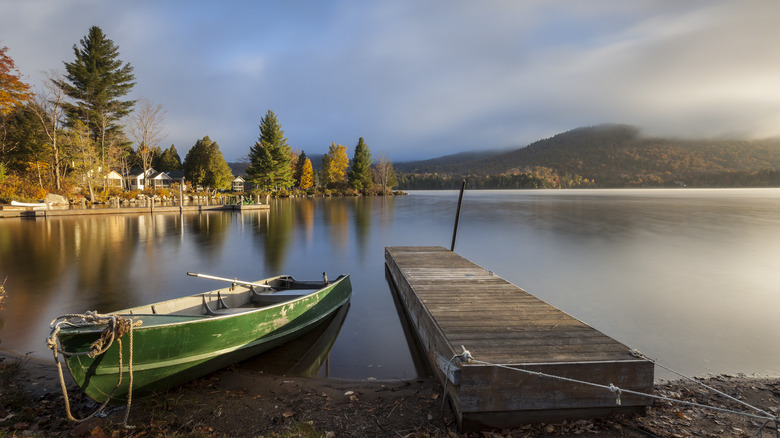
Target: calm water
{"x": 690, "y": 277}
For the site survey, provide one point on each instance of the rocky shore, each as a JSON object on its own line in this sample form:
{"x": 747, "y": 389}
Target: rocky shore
{"x": 240, "y": 403}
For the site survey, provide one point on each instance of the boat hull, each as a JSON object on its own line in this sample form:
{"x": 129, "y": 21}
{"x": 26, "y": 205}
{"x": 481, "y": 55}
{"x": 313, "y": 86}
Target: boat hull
{"x": 172, "y": 349}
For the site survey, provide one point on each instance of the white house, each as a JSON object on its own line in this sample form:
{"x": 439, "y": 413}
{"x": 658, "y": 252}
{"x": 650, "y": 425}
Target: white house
{"x": 238, "y": 184}
{"x": 135, "y": 179}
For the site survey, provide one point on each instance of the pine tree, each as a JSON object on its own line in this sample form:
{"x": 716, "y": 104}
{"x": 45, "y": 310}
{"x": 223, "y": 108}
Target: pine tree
{"x": 360, "y": 176}
{"x": 97, "y": 80}
{"x": 168, "y": 161}
{"x": 270, "y": 156}
{"x": 299, "y": 168}
{"x": 205, "y": 165}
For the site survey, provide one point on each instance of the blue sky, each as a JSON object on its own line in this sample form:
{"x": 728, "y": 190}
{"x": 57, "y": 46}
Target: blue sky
{"x": 421, "y": 79}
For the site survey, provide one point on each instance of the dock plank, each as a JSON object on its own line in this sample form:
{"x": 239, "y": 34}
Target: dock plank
{"x": 453, "y": 303}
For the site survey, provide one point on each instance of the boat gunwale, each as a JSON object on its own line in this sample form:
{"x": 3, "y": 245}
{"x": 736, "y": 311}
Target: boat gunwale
{"x": 196, "y": 319}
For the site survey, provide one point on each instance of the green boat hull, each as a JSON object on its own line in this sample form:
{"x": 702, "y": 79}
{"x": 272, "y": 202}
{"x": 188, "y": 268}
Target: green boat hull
{"x": 172, "y": 349}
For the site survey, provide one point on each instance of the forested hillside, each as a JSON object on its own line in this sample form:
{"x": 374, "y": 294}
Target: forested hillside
{"x": 606, "y": 156}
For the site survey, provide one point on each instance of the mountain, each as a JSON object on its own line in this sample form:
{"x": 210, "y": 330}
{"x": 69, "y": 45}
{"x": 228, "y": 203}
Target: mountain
{"x": 615, "y": 156}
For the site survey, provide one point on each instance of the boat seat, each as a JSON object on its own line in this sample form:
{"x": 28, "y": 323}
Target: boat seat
{"x": 224, "y": 310}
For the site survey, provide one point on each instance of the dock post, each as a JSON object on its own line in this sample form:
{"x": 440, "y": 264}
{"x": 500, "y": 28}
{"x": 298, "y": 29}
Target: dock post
{"x": 457, "y": 215}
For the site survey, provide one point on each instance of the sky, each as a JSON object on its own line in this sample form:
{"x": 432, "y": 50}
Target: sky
{"x": 419, "y": 79}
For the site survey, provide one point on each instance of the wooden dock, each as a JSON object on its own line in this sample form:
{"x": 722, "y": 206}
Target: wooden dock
{"x": 451, "y": 302}
{"x": 42, "y": 212}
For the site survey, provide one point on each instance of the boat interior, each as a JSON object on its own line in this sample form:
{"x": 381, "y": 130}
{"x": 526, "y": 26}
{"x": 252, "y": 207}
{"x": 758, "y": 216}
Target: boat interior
{"x": 236, "y": 298}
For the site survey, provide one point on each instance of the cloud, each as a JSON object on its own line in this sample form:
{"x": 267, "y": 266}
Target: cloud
{"x": 423, "y": 79}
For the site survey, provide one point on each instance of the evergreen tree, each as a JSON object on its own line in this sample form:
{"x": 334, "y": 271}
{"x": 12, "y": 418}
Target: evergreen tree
{"x": 96, "y": 80}
{"x": 334, "y": 166}
{"x": 307, "y": 175}
{"x": 168, "y": 161}
{"x": 205, "y": 165}
{"x": 360, "y": 176}
{"x": 299, "y": 168}
{"x": 270, "y": 156}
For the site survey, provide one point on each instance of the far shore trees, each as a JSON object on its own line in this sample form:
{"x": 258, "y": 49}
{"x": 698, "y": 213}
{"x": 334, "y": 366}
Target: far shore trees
{"x": 360, "y": 175}
{"x": 270, "y": 157}
{"x": 205, "y": 165}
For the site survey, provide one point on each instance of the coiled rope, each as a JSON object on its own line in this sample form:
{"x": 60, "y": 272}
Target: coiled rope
{"x": 759, "y": 415}
{"x": 116, "y": 327}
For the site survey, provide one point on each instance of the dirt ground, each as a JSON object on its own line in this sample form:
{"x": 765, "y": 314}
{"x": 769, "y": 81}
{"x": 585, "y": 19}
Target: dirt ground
{"x": 242, "y": 403}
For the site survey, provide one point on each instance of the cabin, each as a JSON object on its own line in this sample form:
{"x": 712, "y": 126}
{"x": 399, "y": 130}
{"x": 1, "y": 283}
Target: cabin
{"x": 238, "y": 184}
{"x": 134, "y": 180}
{"x": 114, "y": 179}
{"x": 159, "y": 180}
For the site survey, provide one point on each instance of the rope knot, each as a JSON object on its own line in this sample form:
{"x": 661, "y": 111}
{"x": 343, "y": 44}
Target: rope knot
{"x": 615, "y": 390}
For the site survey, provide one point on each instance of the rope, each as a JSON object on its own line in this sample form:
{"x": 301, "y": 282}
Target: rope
{"x": 116, "y": 327}
{"x": 763, "y": 415}
{"x": 464, "y": 356}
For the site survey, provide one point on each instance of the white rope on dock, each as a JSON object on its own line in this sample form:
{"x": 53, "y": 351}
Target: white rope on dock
{"x": 761, "y": 414}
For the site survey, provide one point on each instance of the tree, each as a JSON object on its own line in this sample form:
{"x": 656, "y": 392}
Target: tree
{"x": 334, "y": 166}
{"x": 48, "y": 108}
{"x": 96, "y": 81}
{"x": 299, "y": 168}
{"x": 270, "y": 156}
{"x": 85, "y": 159}
{"x": 360, "y": 176}
{"x": 384, "y": 175}
{"x": 13, "y": 92}
{"x": 145, "y": 127}
{"x": 169, "y": 160}
{"x": 307, "y": 175}
{"x": 205, "y": 165}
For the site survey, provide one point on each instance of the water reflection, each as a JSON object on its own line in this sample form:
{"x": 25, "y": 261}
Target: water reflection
{"x": 306, "y": 356}
{"x": 688, "y": 276}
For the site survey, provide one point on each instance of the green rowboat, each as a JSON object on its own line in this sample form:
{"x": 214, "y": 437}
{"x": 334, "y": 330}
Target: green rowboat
{"x": 178, "y": 340}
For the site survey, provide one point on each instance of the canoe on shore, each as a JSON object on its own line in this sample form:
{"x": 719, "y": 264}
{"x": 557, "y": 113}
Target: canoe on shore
{"x": 171, "y": 342}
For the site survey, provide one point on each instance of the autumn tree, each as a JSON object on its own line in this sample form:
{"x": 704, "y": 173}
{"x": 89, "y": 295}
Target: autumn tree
{"x": 97, "y": 80}
{"x": 146, "y": 128}
{"x": 13, "y": 91}
{"x": 360, "y": 175}
{"x": 334, "y": 166}
{"x": 306, "y": 180}
{"x": 384, "y": 175}
{"x": 270, "y": 156}
{"x": 205, "y": 165}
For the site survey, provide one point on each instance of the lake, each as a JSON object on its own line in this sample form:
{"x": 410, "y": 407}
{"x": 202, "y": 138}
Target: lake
{"x": 690, "y": 277}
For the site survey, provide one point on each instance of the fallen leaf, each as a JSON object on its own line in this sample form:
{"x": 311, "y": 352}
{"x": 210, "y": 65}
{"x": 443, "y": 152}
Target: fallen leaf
{"x": 288, "y": 414}
{"x": 434, "y": 396}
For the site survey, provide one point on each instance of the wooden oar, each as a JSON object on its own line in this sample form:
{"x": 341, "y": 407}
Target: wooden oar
{"x": 230, "y": 280}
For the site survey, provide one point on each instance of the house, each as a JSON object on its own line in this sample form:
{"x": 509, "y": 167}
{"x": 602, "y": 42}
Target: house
{"x": 159, "y": 180}
{"x": 238, "y": 184}
{"x": 114, "y": 179}
{"x": 134, "y": 180}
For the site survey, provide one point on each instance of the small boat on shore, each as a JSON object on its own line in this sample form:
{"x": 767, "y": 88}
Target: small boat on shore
{"x": 174, "y": 341}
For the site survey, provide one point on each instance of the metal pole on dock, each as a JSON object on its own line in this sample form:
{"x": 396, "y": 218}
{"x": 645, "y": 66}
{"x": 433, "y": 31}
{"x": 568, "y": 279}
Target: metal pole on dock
{"x": 457, "y": 215}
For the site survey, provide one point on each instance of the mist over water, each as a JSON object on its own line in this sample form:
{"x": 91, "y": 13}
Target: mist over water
{"x": 689, "y": 277}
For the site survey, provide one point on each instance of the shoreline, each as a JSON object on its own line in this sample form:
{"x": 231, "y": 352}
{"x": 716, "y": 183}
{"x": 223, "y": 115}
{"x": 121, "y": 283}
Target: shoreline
{"x": 236, "y": 402}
